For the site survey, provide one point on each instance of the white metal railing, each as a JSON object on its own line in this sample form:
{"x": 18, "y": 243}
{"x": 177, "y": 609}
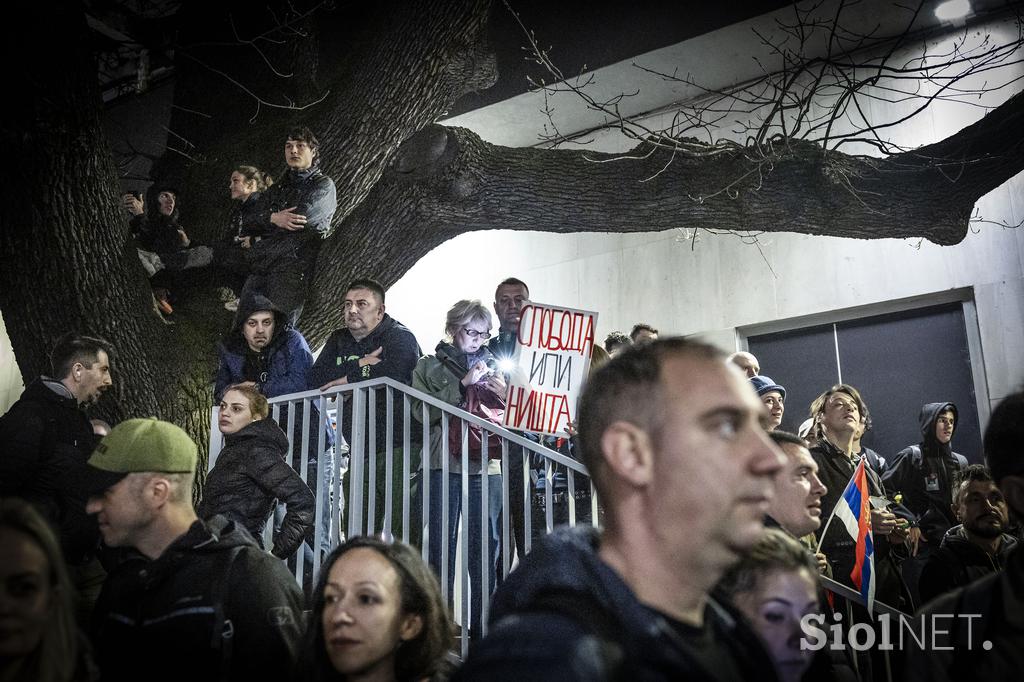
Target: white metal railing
{"x": 518, "y": 455}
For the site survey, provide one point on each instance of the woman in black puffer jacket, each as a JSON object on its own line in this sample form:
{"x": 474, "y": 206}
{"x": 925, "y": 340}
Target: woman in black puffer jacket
{"x": 250, "y": 472}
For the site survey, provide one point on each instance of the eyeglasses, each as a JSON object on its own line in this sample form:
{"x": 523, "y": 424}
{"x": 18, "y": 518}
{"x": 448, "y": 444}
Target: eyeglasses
{"x": 474, "y": 334}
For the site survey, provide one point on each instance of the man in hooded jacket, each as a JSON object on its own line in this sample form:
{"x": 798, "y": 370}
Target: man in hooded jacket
{"x": 924, "y": 474}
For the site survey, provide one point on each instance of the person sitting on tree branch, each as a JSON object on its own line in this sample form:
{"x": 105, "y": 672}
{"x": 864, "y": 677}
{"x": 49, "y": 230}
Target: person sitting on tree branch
{"x": 294, "y": 214}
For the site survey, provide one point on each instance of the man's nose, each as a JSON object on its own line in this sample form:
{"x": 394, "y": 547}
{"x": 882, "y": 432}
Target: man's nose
{"x": 93, "y": 505}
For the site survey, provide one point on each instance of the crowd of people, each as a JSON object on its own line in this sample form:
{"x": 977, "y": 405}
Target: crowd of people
{"x": 715, "y": 542}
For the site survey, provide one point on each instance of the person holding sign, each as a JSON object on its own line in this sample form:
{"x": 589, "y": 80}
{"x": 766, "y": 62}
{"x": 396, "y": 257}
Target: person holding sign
{"x": 462, "y": 370}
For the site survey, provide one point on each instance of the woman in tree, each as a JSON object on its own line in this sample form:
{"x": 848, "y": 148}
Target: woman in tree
{"x": 232, "y": 254}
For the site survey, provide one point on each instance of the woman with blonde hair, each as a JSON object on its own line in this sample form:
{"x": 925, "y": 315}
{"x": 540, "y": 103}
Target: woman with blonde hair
{"x": 462, "y": 363}
{"x": 251, "y": 473}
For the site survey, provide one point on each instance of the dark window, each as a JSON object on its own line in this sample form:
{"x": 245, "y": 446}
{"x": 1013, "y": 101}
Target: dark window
{"x": 898, "y": 361}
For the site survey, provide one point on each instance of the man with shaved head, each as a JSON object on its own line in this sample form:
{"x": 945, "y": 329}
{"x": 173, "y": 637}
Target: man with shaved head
{"x": 674, "y": 440}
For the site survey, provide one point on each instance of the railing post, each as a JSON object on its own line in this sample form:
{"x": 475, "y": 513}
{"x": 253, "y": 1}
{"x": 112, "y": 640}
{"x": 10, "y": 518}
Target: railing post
{"x": 464, "y": 538}
{"x": 506, "y": 512}
{"x": 356, "y": 463}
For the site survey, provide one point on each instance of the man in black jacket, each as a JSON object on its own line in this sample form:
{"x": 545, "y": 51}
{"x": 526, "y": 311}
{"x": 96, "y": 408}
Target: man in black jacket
{"x": 977, "y": 631}
{"x": 295, "y": 214}
{"x": 924, "y": 475}
{"x": 673, "y": 440}
{"x": 372, "y": 344}
{"x": 46, "y": 438}
{"x": 979, "y": 545}
{"x": 196, "y": 600}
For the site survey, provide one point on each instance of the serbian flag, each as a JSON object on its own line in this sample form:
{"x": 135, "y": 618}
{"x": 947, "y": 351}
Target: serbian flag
{"x": 854, "y": 510}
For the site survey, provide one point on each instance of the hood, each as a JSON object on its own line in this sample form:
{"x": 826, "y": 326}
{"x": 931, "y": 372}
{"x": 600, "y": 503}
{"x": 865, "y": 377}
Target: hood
{"x": 564, "y": 560}
{"x": 265, "y": 430}
{"x": 929, "y": 413}
{"x": 49, "y": 390}
{"x": 246, "y": 307}
{"x": 956, "y": 540}
{"x": 216, "y": 534}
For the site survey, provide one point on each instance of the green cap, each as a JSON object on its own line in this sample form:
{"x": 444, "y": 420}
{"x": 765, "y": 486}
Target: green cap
{"x": 138, "y": 445}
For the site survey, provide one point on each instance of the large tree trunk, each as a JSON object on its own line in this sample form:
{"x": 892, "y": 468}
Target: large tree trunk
{"x": 67, "y": 261}
{"x": 386, "y": 72}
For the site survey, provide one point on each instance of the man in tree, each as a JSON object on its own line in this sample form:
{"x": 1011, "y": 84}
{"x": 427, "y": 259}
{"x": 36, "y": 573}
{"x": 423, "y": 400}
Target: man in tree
{"x": 197, "y": 599}
{"x": 924, "y": 475}
{"x": 47, "y": 438}
{"x": 372, "y": 344}
{"x": 296, "y": 214}
{"x": 667, "y": 431}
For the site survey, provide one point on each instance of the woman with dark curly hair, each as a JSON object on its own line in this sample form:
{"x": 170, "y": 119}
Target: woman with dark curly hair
{"x": 377, "y": 614}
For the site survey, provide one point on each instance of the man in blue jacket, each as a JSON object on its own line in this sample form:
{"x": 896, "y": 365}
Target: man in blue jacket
{"x": 263, "y": 350}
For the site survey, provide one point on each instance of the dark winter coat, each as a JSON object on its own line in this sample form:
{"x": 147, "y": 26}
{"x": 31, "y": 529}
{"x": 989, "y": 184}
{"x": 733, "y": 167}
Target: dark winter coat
{"x": 835, "y": 470}
{"x": 280, "y": 368}
{"x": 313, "y": 195}
{"x": 249, "y": 474}
{"x": 157, "y": 232}
{"x": 244, "y": 220}
{"x": 340, "y": 358}
{"x": 566, "y": 615}
{"x": 46, "y": 439}
{"x": 929, "y": 464}
{"x": 958, "y": 561}
{"x": 213, "y": 606}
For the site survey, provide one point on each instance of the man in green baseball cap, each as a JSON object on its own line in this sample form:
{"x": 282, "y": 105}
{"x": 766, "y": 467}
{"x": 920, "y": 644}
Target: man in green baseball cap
{"x": 200, "y": 588}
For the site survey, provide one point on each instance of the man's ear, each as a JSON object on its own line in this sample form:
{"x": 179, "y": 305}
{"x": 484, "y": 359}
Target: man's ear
{"x": 1012, "y": 488}
{"x": 628, "y": 453}
{"x": 956, "y": 512}
{"x": 158, "y": 491}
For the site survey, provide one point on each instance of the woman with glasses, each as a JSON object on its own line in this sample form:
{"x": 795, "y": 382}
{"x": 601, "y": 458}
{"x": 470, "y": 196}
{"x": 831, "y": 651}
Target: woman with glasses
{"x": 459, "y": 362}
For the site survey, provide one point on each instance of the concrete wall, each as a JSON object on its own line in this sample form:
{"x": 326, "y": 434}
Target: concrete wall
{"x": 712, "y": 285}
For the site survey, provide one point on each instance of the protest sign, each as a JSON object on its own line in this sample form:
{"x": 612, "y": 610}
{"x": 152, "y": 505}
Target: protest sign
{"x": 551, "y": 362}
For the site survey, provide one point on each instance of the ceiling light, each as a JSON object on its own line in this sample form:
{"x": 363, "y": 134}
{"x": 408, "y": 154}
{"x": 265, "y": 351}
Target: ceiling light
{"x": 952, "y": 10}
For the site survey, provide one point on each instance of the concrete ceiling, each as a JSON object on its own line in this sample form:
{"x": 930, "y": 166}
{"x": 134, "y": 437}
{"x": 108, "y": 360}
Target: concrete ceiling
{"x": 719, "y": 59}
